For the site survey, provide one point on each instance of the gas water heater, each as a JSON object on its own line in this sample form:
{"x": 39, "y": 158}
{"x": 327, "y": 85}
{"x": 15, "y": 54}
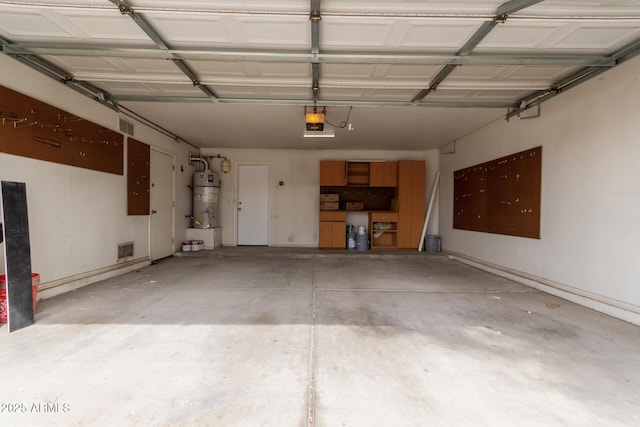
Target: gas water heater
{"x": 206, "y": 191}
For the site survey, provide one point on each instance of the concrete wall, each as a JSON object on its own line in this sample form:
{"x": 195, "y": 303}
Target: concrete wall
{"x": 295, "y": 205}
{"x": 78, "y": 216}
{"x": 590, "y": 224}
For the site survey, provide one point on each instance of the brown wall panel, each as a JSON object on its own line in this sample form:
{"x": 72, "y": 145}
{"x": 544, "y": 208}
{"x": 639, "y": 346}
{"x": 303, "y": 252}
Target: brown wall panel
{"x": 31, "y": 128}
{"x": 138, "y": 172}
{"x": 501, "y": 196}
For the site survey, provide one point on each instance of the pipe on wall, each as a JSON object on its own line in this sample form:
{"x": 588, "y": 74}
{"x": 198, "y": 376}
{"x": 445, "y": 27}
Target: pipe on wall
{"x": 201, "y": 160}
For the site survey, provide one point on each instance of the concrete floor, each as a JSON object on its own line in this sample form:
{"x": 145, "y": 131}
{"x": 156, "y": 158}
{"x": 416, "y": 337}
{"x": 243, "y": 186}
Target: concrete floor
{"x": 276, "y": 337}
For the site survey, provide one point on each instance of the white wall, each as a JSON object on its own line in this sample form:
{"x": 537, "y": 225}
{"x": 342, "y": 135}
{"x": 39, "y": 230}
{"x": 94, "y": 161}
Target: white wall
{"x": 295, "y": 205}
{"x": 78, "y": 216}
{"x": 590, "y": 223}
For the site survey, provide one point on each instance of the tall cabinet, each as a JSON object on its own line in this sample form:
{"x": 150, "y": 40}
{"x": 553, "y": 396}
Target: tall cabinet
{"x": 411, "y": 195}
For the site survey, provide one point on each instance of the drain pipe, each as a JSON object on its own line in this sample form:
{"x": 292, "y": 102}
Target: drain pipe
{"x": 201, "y": 160}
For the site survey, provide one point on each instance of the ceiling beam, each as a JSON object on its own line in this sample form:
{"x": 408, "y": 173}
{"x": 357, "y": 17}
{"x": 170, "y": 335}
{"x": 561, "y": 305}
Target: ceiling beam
{"x": 54, "y": 72}
{"x": 303, "y": 102}
{"x": 506, "y": 9}
{"x": 126, "y": 9}
{"x": 321, "y": 58}
{"x": 464, "y": 51}
{"x": 315, "y": 18}
{"x": 626, "y": 53}
{"x": 501, "y": 16}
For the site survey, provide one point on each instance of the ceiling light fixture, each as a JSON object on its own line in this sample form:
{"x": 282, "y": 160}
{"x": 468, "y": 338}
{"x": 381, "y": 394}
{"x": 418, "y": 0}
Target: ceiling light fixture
{"x": 319, "y": 134}
{"x": 314, "y": 118}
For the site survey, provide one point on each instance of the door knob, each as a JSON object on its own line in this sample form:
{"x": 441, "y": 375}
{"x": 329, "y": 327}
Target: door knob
{"x": 154, "y": 211}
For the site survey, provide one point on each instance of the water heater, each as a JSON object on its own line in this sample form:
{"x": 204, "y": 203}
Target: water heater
{"x": 206, "y": 191}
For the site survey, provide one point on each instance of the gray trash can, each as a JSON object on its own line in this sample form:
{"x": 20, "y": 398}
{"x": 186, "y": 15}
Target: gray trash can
{"x": 432, "y": 243}
{"x": 362, "y": 242}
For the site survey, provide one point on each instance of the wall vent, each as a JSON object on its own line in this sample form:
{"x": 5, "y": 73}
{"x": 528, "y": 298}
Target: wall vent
{"x": 125, "y": 250}
{"x": 126, "y": 127}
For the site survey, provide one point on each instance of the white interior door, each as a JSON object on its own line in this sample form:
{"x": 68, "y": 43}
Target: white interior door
{"x": 161, "y": 239}
{"x": 253, "y": 205}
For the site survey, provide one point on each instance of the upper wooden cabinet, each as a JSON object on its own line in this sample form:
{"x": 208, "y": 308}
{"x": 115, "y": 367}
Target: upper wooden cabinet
{"x": 333, "y": 172}
{"x": 383, "y": 174}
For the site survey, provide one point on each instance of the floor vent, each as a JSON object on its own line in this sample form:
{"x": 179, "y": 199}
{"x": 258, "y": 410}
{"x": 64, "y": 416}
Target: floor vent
{"x": 126, "y": 127}
{"x": 125, "y": 250}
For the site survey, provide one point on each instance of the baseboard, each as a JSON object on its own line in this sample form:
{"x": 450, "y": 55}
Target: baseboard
{"x": 67, "y": 284}
{"x": 618, "y": 309}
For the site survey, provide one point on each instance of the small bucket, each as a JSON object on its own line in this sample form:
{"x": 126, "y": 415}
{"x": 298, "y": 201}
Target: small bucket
{"x": 433, "y": 243}
{"x": 362, "y": 242}
{"x": 195, "y": 246}
{"x": 186, "y": 246}
{"x": 35, "y": 282}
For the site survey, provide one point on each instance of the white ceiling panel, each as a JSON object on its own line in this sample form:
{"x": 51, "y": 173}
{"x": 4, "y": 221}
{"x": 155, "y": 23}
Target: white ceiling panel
{"x": 598, "y": 37}
{"x": 384, "y": 34}
{"x": 288, "y": 70}
{"x": 301, "y": 6}
{"x": 367, "y": 94}
{"x": 251, "y": 69}
{"x": 438, "y": 35}
{"x": 378, "y": 74}
{"x": 263, "y": 92}
{"x": 231, "y": 31}
{"x": 412, "y": 6}
{"x": 544, "y": 37}
{"x": 534, "y": 74}
{"x": 101, "y": 26}
{"x": 620, "y": 8}
{"x": 498, "y": 95}
{"x": 95, "y": 4}
{"x": 107, "y": 65}
{"x": 150, "y": 89}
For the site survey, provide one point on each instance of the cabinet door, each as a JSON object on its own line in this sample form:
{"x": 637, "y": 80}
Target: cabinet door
{"x": 391, "y": 174}
{"x": 383, "y": 174}
{"x": 339, "y": 235}
{"x": 411, "y": 195}
{"x": 332, "y": 234}
{"x": 325, "y": 236}
{"x": 376, "y": 174}
{"x": 333, "y": 172}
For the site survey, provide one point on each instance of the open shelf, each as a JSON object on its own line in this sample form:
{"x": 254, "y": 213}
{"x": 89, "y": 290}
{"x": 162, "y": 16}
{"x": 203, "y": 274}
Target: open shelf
{"x": 358, "y": 173}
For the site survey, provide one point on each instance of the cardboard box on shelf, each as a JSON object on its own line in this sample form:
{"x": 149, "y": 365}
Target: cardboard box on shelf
{"x": 329, "y": 206}
{"x": 329, "y": 197}
{"x": 354, "y": 206}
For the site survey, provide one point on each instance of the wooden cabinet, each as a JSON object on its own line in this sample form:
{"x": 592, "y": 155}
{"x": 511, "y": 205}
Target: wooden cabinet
{"x": 411, "y": 195}
{"x": 383, "y": 227}
{"x": 333, "y": 173}
{"x": 403, "y": 218}
{"x": 333, "y": 230}
{"x": 383, "y": 174}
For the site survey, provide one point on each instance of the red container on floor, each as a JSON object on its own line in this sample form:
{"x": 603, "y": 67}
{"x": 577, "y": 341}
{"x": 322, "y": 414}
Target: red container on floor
{"x": 35, "y": 282}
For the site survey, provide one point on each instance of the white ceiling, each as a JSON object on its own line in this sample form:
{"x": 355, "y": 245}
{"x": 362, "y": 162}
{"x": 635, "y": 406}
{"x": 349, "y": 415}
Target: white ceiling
{"x": 253, "y": 62}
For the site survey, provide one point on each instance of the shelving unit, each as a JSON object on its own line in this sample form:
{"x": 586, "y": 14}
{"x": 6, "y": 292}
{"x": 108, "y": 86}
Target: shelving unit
{"x": 391, "y": 192}
{"x": 358, "y": 173}
{"x": 388, "y": 239}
